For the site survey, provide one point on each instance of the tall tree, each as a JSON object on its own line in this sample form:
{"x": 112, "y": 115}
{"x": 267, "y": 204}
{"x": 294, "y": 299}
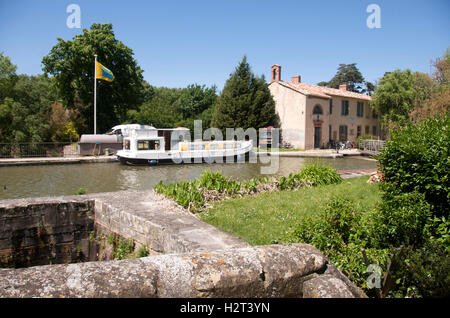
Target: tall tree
{"x": 245, "y": 101}
{"x": 25, "y": 114}
{"x": 8, "y": 77}
{"x": 398, "y": 93}
{"x": 349, "y": 74}
{"x": 439, "y": 102}
{"x": 72, "y": 65}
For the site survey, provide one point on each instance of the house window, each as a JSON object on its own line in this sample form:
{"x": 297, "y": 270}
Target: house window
{"x": 331, "y": 107}
{"x": 374, "y": 130}
{"x": 344, "y": 108}
{"x": 329, "y": 133}
{"x": 374, "y": 114}
{"x": 360, "y": 109}
{"x": 358, "y": 131}
{"x": 367, "y": 130}
{"x": 368, "y": 111}
{"x": 343, "y": 133}
{"x": 317, "y": 110}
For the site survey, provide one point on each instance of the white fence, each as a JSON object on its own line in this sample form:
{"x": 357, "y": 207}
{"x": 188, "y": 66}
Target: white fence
{"x": 371, "y": 145}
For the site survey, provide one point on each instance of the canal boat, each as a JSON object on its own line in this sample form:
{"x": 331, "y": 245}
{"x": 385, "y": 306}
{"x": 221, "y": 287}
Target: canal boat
{"x": 170, "y": 146}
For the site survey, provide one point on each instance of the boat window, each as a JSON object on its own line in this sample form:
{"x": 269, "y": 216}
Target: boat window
{"x": 148, "y": 145}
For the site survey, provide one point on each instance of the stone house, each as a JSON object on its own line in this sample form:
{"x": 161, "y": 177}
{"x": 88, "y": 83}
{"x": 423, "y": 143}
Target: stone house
{"x": 312, "y": 116}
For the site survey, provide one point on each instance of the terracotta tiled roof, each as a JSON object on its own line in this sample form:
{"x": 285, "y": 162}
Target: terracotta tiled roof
{"x": 322, "y": 92}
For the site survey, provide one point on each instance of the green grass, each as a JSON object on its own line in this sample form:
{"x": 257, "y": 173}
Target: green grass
{"x": 269, "y": 217}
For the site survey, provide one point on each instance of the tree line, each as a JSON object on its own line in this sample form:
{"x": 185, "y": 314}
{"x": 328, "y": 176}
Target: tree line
{"x": 58, "y": 104}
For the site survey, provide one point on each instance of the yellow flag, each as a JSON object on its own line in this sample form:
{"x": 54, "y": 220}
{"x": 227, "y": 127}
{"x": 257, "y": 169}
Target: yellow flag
{"x": 103, "y": 73}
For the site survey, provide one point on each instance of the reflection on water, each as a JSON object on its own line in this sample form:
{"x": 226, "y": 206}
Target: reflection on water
{"x": 51, "y": 180}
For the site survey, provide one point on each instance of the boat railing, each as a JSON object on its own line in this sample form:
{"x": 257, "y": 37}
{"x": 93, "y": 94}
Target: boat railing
{"x": 211, "y": 145}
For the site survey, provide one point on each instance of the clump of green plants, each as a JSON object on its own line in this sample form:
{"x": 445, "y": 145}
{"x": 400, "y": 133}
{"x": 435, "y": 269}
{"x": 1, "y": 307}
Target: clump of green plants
{"x": 81, "y": 191}
{"x": 123, "y": 249}
{"x": 214, "y": 186}
{"x": 142, "y": 252}
{"x": 319, "y": 174}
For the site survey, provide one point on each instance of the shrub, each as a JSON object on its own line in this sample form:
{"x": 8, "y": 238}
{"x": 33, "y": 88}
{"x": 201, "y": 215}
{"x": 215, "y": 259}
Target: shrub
{"x": 337, "y": 233}
{"x": 401, "y": 220}
{"x": 319, "y": 174}
{"x": 422, "y": 272}
{"x": 417, "y": 159}
{"x": 333, "y": 228}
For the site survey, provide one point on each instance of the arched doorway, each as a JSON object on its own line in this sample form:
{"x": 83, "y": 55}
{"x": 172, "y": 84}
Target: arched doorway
{"x": 317, "y": 120}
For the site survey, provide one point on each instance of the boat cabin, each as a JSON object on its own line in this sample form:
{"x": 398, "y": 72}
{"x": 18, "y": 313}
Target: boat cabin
{"x": 156, "y": 139}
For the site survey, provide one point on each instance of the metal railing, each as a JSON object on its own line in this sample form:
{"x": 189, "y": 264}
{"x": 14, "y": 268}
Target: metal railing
{"x": 38, "y": 149}
{"x": 371, "y": 145}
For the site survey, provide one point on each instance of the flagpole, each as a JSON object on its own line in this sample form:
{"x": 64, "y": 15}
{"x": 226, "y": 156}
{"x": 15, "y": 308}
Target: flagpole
{"x": 95, "y": 95}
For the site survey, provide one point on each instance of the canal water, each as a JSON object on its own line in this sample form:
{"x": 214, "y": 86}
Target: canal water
{"x": 53, "y": 180}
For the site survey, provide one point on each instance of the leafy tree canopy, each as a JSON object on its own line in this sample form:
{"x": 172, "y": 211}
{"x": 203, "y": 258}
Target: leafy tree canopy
{"x": 398, "y": 93}
{"x": 24, "y": 114}
{"x": 72, "y": 64}
{"x": 349, "y": 74}
{"x": 8, "y": 76}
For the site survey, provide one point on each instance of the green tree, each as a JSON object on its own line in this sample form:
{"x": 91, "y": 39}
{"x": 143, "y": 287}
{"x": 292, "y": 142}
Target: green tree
{"x": 160, "y": 110}
{"x": 348, "y": 74}
{"x": 25, "y": 114}
{"x": 8, "y": 77}
{"x": 245, "y": 101}
{"x": 72, "y": 65}
{"x": 398, "y": 93}
{"x": 195, "y": 99}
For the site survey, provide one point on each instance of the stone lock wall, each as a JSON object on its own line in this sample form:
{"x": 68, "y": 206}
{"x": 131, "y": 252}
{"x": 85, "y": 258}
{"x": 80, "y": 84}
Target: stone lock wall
{"x": 46, "y": 233}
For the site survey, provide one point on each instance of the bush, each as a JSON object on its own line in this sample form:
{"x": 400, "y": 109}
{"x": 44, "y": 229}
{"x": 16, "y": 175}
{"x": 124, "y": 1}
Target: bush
{"x": 333, "y": 228}
{"x": 337, "y": 232}
{"x": 319, "y": 174}
{"x": 417, "y": 159}
{"x": 422, "y": 272}
{"x": 402, "y": 219}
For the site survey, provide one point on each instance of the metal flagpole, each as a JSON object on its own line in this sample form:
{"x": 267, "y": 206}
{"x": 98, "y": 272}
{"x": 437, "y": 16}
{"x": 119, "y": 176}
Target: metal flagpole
{"x": 95, "y": 95}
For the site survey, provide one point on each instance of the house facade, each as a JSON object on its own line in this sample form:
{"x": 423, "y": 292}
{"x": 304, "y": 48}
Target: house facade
{"x": 312, "y": 116}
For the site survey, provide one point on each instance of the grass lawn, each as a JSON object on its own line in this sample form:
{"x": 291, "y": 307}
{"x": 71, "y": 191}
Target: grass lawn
{"x": 267, "y": 217}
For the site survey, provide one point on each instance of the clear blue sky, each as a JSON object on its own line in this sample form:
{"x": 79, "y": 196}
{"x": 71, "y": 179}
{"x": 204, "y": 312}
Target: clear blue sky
{"x": 178, "y": 43}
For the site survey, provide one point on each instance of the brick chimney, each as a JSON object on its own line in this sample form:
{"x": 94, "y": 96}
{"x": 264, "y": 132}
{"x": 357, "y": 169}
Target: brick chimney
{"x": 276, "y": 73}
{"x": 343, "y": 87}
{"x": 296, "y": 79}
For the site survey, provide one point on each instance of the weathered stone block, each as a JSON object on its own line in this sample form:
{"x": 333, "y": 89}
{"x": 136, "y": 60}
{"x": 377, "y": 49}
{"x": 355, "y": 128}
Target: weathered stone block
{"x": 326, "y": 286}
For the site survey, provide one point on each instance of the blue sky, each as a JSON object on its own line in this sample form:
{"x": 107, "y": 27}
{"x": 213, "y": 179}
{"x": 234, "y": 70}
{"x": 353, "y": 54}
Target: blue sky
{"x": 178, "y": 43}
